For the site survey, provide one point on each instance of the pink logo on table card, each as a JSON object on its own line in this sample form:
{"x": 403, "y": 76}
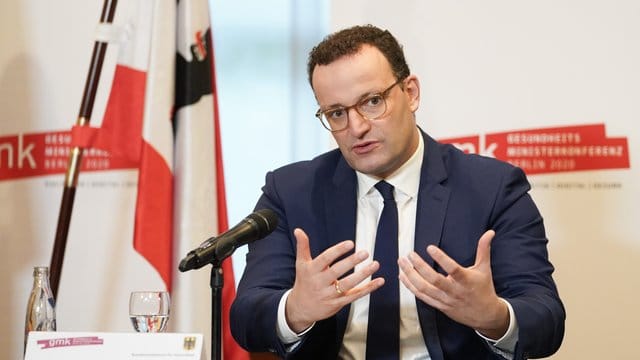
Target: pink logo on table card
{"x": 74, "y": 341}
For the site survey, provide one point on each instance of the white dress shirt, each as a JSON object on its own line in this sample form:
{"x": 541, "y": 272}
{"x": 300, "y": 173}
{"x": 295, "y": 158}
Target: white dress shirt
{"x": 406, "y": 181}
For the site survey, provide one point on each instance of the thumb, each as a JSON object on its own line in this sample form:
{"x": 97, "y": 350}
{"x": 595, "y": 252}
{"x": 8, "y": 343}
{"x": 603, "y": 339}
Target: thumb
{"x": 302, "y": 240}
{"x": 483, "y": 253}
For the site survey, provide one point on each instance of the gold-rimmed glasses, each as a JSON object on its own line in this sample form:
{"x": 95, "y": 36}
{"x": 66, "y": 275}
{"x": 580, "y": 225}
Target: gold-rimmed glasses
{"x": 370, "y": 107}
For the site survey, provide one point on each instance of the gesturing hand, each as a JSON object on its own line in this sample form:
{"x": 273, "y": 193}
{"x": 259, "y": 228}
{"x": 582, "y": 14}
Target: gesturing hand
{"x": 315, "y": 294}
{"x": 466, "y": 295}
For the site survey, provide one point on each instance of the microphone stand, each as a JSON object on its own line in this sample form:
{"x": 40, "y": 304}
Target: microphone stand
{"x": 216, "y": 282}
{"x": 214, "y": 251}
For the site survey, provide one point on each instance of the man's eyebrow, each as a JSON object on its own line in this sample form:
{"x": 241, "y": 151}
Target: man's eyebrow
{"x": 362, "y": 97}
{"x": 333, "y": 106}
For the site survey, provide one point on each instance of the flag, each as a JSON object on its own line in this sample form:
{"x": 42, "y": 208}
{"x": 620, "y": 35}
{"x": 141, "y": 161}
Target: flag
{"x": 200, "y": 201}
{"x": 137, "y": 123}
{"x": 162, "y": 113}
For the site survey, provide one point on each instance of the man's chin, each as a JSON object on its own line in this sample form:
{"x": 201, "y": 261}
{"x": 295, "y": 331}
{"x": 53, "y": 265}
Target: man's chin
{"x": 372, "y": 169}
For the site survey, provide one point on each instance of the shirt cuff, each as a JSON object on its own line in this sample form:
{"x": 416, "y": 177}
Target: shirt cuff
{"x": 508, "y": 341}
{"x": 285, "y": 334}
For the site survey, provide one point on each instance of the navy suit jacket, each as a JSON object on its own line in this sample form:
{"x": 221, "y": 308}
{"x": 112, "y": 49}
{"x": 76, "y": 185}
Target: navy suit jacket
{"x": 460, "y": 197}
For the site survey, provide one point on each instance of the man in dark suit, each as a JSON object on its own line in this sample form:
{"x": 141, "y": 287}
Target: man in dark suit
{"x": 474, "y": 276}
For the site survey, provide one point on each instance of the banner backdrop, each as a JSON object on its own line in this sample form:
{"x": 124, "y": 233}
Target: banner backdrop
{"x": 550, "y": 86}
{"x": 151, "y": 185}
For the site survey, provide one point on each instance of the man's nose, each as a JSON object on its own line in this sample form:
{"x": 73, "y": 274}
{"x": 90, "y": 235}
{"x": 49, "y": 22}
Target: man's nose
{"x": 358, "y": 124}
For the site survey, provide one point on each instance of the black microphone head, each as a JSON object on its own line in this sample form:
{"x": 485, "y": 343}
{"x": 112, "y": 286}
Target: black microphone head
{"x": 267, "y": 221}
{"x": 189, "y": 262}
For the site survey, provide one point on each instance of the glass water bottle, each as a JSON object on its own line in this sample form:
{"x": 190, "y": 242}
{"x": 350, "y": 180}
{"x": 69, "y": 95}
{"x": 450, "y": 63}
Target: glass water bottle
{"x": 41, "y": 308}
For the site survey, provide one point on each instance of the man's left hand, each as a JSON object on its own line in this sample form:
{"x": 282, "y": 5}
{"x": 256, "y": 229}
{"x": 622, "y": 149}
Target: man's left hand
{"x": 466, "y": 295}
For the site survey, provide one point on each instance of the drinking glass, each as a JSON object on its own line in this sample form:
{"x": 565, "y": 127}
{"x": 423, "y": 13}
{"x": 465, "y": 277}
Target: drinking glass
{"x": 149, "y": 310}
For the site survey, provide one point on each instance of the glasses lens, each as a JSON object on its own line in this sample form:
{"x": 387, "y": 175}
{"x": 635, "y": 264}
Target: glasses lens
{"x": 372, "y": 107}
{"x": 335, "y": 119}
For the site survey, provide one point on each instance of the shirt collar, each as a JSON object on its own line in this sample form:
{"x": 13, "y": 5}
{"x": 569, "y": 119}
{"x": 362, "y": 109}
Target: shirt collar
{"x": 405, "y": 180}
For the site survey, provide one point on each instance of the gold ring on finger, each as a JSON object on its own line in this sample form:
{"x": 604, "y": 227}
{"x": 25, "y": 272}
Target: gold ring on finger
{"x": 336, "y": 284}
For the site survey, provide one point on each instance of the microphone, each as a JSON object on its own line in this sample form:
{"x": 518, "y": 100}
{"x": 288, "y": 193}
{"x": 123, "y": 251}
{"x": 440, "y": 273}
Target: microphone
{"x": 215, "y": 249}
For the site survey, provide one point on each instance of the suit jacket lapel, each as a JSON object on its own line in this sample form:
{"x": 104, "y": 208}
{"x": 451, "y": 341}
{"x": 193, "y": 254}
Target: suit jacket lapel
{"x": 433, "y": 197}
{"x": 340, "y": 215}
{"x": 341, "y": 204}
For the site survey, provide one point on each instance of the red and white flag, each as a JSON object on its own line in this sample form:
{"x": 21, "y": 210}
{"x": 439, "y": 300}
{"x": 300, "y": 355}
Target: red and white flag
{"x": 162, "y": 113}
{"x": 200, "y": 203}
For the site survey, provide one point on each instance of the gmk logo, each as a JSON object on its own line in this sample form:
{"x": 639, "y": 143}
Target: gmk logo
{"x": 551, "y": 150}
{"x": 28, "y": 155}
{"x": 72, "y": 341}
{"x": 536, "y": 151}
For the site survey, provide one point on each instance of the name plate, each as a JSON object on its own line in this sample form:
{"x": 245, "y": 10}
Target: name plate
{"x": 44, "y": 345}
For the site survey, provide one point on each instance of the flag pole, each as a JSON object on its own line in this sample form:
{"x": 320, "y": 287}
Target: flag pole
{"x": 75, "y": 157}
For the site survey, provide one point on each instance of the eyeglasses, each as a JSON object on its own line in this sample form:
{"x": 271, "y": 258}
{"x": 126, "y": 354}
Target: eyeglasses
{"x": 370, "y": 107}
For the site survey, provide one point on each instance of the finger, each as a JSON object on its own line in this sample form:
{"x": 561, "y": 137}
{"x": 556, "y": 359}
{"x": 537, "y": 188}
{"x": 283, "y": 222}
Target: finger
{"x": 348, "y": 263}
{"x": 425, "y": 271}
{"x": 359, "y": 291}
{"x": 483, "y": 254}
{"x": 419, "y": 293}
{"x": 433, "y": 284}
{"x": 302, "y": 240}
{"x": 329, "y": 256}
{"x": 447, "y": 264}
{"x": 352, "y": 280}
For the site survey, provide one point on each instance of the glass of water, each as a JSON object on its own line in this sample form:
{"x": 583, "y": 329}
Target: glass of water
{"x": 149, "y": 310}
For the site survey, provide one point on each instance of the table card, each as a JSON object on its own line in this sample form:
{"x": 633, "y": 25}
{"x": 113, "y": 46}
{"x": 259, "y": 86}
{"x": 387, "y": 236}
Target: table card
{"x": 42, "y": 345}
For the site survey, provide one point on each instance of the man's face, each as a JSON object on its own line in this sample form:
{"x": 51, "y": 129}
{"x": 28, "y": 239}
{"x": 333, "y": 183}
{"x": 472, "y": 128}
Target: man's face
{"x": 375, "y": 147}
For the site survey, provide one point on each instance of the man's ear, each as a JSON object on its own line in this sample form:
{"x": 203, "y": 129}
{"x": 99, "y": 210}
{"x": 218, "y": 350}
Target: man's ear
{"x": 412, "y": 89}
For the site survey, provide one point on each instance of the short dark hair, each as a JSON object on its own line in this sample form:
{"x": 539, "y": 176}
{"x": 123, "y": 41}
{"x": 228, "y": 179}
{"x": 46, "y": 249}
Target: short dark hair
{"x": 349, "y": 41}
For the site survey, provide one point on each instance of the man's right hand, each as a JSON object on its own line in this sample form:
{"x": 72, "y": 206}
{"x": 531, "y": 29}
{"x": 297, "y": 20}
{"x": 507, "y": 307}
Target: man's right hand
{"x": 316, "y": 295}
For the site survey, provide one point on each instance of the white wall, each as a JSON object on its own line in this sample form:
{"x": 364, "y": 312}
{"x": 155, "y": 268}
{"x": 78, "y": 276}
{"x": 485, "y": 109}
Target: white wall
{"x": 497, "y": 65}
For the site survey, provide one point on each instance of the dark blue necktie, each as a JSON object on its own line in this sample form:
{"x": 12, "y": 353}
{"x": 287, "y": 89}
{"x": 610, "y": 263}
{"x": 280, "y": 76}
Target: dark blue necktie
{"x": 383, "y": 331}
